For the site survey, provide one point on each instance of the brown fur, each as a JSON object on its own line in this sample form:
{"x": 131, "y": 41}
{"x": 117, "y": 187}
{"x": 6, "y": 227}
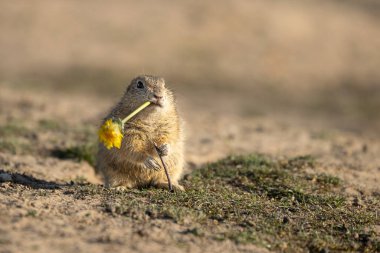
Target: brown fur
{"x": 126, "y": 166}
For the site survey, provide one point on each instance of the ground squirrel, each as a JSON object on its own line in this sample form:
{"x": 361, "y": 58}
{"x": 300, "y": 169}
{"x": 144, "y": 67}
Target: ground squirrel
{"x": 136, "y": 163}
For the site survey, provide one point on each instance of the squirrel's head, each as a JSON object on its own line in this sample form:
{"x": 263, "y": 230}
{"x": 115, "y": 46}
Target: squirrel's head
{"x": 147, "y": 88}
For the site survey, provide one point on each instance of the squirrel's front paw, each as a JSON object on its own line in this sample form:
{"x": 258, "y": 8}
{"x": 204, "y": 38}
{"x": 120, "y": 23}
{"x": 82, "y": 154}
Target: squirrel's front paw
{"x": 151, "y": 163}
{"x": 163, "y": 150}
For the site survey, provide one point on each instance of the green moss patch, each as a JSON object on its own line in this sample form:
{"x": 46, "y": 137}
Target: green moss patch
{"x": 254, "y": 199}
{"x": 82, "y": 152}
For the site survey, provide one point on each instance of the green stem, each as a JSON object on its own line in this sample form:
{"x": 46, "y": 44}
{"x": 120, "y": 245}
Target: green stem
{"x": 142, "y": 107}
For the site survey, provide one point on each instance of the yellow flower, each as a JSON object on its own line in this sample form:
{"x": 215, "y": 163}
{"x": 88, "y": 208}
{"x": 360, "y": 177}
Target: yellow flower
{"x": 111, "y": 134}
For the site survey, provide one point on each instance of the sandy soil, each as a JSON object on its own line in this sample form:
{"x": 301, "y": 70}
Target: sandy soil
{"x": 34, "y": 219}
{"x": 308, "y": 86}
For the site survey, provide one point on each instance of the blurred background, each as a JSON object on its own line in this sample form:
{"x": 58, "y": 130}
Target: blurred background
{"x": 312, "y": 60}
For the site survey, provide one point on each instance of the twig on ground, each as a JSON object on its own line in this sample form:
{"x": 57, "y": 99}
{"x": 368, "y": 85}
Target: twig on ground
{"x": 165, "y": 168}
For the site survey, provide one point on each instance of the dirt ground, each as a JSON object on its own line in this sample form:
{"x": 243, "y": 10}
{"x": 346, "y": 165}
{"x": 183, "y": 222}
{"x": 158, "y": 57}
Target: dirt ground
{"x": 308, "y": 96}
{"x": 36, "y": 219}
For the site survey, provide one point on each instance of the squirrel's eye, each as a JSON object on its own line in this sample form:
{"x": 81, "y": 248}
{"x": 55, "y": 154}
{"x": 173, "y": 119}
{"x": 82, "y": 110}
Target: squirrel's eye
{"x": 140, "y": 85}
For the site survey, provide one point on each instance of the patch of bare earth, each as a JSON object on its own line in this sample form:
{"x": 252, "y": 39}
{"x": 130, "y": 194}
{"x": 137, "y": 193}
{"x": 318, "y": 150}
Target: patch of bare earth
{"x": 39, "y": 211}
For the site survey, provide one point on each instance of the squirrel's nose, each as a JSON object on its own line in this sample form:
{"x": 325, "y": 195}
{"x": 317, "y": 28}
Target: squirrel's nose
{"x": 157, "y": 96}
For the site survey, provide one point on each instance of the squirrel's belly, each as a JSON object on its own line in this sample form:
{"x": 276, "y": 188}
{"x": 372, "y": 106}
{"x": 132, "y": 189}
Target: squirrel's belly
{"x": 135, "y": 174}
